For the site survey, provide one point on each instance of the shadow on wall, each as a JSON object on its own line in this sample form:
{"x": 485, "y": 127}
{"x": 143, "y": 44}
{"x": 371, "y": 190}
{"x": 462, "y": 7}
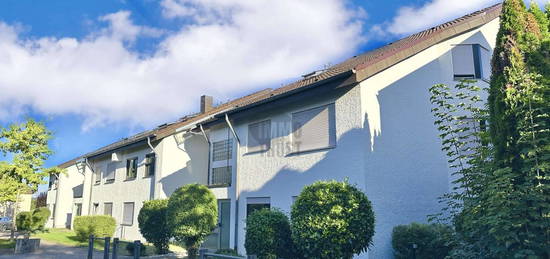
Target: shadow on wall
{"x": 404, "y": 173}
{"x": 195, "y": 169}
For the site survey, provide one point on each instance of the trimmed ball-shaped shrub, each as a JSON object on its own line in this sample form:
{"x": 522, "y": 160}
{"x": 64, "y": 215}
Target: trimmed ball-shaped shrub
{"x": 98, "y": 225}
{"x": 153, "y": 224}
{"x": 331, "y": 219}
{"x": 268, "y": 235}
{"x": 192, "y": 215}
{"x": 432, "y": 241}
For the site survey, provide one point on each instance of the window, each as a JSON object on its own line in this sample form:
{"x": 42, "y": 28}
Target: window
{"x": 150, "y": 160}
{"x": 254, "y": 204}
{"x": 128, "y": 214}
{"x": 131, "y": 168}
{"x": 471, "y": 62}
{"x": 78, "y": 209}
{"x": 221, "y": 175}
{"x": 110, "y": 173}
{"x": 97, "y": 174}
{"x": 52, "y": 182}
{"x": 314, "y": 129}
{"x": 222, "y": 150}
{"x": 108, "y": 208}
{"x": 259, "y": 136}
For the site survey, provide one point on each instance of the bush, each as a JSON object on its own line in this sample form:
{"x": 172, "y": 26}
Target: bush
{"x": 23, "y": 221}
{"x": 32, "y": 222}
{"x": 432, "y": 241}
{"x": 39, "y": 218}
{"x": 192, "y": 215}
{"x": 332, "y": 220}
{"x": 99, "y": 226}
{"x": 130, "y": 249}
{"x": 268, "y": 235}
{"x": 153, "y": 225}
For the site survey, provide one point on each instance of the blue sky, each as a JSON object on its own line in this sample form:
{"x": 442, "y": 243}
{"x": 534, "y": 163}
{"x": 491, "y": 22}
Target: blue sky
{"x": 98, "y": 71}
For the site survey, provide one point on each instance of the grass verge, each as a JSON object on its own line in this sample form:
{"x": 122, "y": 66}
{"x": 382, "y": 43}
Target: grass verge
{"x": 68, "y": 237}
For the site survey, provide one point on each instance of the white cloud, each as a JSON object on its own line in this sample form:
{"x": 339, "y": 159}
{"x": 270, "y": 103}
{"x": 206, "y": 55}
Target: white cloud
{"x": 412, "y": 19}
{"x": 230, "y": 47}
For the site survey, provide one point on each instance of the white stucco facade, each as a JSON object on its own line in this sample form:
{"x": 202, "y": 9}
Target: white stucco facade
{"x": 386, "y": 145}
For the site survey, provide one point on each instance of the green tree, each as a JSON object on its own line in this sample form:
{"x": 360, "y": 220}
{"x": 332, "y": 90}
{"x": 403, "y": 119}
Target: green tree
{"x": 332, "y": 220}
{"x": 32, "y": 222}
{"x": 502, "y": 200}
{"x": 153, "y": 224}
{"x": 192, "y": 215}
{"x": 27, "y": 145}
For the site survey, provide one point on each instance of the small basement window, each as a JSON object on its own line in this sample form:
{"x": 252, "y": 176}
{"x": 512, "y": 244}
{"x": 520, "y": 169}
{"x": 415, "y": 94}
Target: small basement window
{"x": 471, "y": 61}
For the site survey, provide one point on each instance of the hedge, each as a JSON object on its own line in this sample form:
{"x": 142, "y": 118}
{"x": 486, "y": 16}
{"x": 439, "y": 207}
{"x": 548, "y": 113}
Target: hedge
{"x": 432, "y": 241}
{"x": 99, "y": 226}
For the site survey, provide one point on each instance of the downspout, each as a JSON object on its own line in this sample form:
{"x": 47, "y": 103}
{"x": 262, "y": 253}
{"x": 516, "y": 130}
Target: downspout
{"x": 91, "y": 184}
{"x": 56, "y": 200}
{"x": 209, "y": 148}
{"x": 237, "y": 193}
{"x": 155, "y": 185}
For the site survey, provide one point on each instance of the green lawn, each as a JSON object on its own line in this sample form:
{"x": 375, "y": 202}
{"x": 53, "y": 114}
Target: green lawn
{"x": 68, "y": 237}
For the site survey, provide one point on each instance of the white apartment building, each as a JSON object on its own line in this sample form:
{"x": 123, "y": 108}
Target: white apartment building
{"x": 366, "y": 120}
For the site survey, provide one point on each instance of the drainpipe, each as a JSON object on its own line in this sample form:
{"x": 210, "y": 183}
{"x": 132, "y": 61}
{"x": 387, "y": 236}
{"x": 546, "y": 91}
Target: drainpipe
{"x": 209, "y": 146}
{"x": 56, "y": 200}
{"x": 157, "y": 179}
{"x": 237, "y": 193}
{"x": 91, "y": 183}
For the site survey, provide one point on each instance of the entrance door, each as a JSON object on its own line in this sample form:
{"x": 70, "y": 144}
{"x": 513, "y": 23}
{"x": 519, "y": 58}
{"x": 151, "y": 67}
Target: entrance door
{"x": 224, "y": 214}
{"x": 219, "y": 238}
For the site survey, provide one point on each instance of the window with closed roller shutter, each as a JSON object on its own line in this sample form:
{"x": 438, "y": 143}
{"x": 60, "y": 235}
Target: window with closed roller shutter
{"x": 259, "y": 136}
{"x": 128, "y": 214}
{"x": 314, "y": 129}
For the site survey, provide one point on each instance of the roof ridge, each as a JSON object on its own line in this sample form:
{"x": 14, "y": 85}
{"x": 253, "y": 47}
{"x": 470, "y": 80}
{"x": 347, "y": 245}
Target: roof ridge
{"x": 367, "y": 61}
